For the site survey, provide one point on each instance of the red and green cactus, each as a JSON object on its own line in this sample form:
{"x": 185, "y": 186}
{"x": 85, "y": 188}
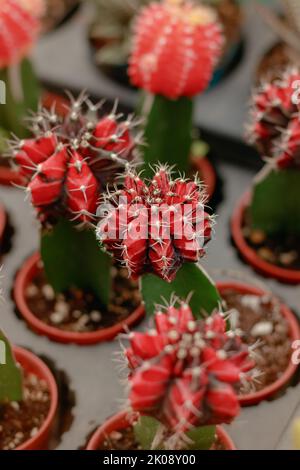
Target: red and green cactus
{"x": 66, "y": 165}
{"x": 19, "y": 30}
{"x": 275, "y": 130}
{"x": 184, "y": 376}
{"x": 176, "y": 45}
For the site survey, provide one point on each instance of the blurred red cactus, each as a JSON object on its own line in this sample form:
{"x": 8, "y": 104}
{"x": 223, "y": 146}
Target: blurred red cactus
{"x": 176, "y": 46}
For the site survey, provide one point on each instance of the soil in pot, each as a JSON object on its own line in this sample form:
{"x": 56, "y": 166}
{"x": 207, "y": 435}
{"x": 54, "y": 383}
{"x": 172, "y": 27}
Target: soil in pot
{"x": 262, "y": 324}
{"x": 280, "y": 251}
{"x": 77, "y": 311}
{"x": 124, "y": 439}
{"x": 21, "y": 421}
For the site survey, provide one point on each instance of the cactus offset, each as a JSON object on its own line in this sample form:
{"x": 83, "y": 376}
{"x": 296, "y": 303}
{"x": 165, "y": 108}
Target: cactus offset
{"x": 184, "y": 373}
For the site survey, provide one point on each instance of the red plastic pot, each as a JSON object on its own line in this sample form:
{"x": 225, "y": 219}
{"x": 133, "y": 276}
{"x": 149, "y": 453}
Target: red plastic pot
{"x": 121, "y": 421}
{"x": 25, "y": 275}
{"x": 289, "y": 276}
{"x": 3, "y": 220}
{"x": 9, "y": 177}
{"x": 32, "y": 364}
{"x": 207, "y": 174}
{"x": 294, "y": 333}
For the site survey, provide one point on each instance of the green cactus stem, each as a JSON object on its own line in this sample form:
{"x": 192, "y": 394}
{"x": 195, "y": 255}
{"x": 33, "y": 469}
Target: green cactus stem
{"x": 168, "y": 133}
{"x": 10, "y": 373}
{"x": 275, "y": 205}
{"x": 72, "y": 258}
{"x": 191, "y": 280}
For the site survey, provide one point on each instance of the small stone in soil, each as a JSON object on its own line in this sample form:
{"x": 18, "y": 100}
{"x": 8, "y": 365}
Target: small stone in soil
{"x": 57, "y": 318}
{"x": 31, "y": 291}
{"x": 48, "y": 292}
{"x": 257, "y": 237}
{"x": 62, "y": 307}
{"x": 287, "y": 259}
{"x": 267, "y": 255}
{"x": 95, "y": 316}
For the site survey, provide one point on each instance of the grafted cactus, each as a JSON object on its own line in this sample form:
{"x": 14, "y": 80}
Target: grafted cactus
{"x": 66, "y": 165}
{"x": 275, "y": 129}
{"x": 176, "y": 45}
{"x": 184, "y": 374}
{"x": 158, "y": 230}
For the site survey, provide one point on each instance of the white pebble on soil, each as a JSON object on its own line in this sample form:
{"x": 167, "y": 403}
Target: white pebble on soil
{"x": 95, "y": 316}
{"x": 262, "y": 328}
{"x": 48, "y": 292}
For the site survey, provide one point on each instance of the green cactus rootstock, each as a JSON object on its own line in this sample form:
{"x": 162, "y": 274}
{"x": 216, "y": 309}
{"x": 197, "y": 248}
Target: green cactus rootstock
{"x": 10, "y": 373}
{"x": 72, "y": 258}
{"x": 168, "y": 134}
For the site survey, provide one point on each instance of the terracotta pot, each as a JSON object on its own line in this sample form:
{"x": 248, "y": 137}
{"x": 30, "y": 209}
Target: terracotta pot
{"x": 294, "y": 333}
{"x": 207, "y": 174}
{"x": 9, "y": 177}
{"x": 25, "y": 275}
{"x": 121, "y": 421}
{"x": 32, "y": 364}
{"x": 289, "y": 276}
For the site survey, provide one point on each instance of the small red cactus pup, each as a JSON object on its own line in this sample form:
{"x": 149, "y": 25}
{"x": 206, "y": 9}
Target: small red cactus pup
{"x": 275, "y": 204}
{"x": 176, "y": 45}
{"x": 66, "y": 165}
{"x": 19, "y": 31}
{"x": 184, "y": 376}
{"x": 158, "y": 230}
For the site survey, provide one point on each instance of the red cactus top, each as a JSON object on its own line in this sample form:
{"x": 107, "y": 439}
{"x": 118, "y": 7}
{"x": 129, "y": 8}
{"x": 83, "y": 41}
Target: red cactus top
{"x": 156, "y": 227}
{"x": 72, "y": 157}
{"x": 176, "y": 45}
{"x": 19, "y": 28}
{"x": 275, "y": 120}
{"x": 184, "y": 372}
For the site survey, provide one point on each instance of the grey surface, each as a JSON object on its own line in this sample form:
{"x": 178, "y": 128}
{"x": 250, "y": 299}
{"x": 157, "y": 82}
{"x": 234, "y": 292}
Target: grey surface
{"x": 64, "y": 58}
